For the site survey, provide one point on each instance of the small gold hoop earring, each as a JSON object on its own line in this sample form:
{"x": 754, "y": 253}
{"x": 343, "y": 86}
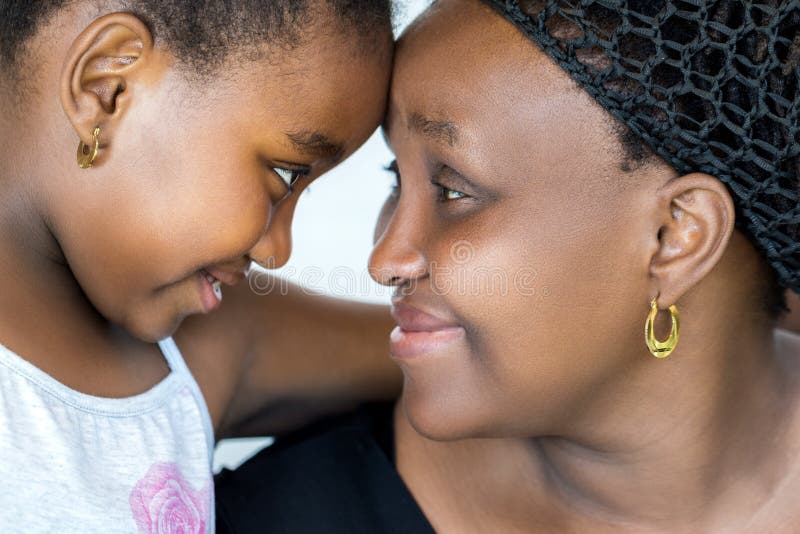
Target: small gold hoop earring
{"x": 661, "y": 349}
{"x": 85, "y": 160}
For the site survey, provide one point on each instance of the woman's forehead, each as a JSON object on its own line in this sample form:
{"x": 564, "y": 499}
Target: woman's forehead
{"x": 462, "y": 40}
{"x": 464, "y": 74}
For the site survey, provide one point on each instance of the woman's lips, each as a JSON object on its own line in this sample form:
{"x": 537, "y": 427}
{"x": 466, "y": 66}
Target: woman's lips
{"x": 420, "y": 333}
{"x": 405, "y": 345}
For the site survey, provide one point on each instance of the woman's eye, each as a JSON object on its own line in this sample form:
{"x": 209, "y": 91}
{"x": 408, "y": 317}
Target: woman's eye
{"x": 446, "y": 195}
{"x": 290, "y": 176}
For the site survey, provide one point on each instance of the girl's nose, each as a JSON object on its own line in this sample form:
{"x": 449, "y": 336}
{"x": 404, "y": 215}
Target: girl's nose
{"x": 274, "y": 248}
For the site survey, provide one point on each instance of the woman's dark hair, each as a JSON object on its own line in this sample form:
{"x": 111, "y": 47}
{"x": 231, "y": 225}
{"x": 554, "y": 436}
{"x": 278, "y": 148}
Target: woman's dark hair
{"x": 710, "y": 86}
{"x": 202, "y": 33}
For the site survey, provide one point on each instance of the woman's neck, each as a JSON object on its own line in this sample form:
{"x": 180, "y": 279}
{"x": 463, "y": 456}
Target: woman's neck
{"x": 710, "y": 449}
{"x": 702, "y": 450}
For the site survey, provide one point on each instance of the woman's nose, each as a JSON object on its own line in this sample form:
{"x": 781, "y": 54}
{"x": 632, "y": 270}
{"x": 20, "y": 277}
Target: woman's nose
{"x": 397, "y": 258}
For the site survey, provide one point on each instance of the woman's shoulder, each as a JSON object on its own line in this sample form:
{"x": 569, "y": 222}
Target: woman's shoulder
{"x": 336, "y": 475}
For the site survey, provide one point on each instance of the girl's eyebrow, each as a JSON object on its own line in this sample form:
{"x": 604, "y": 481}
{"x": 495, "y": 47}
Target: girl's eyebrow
{"x": 438, "y": 130}
{"x": 316, "y": 144}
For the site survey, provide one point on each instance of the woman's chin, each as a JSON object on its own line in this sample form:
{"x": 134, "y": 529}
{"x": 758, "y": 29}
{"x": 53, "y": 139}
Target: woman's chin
{"x": 437, "y": 417}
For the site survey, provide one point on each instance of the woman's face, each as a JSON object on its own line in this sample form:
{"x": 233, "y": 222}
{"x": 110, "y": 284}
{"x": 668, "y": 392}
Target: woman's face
{"x": 518, "y": 246}
{"x": 193, "y": 179}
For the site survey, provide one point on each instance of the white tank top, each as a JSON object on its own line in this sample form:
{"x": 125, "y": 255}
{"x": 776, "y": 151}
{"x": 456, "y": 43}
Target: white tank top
{"x": 75, "y": 463}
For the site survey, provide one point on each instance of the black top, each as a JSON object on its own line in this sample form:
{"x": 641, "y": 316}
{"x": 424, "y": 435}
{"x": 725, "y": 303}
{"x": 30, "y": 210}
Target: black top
{"x": 334, "y": 476}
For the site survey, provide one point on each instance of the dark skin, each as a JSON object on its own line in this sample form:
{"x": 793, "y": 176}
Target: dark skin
{"x": 791, "y": 321}
{"x": 192, "y": 176}
{"x": 548, "y": 413}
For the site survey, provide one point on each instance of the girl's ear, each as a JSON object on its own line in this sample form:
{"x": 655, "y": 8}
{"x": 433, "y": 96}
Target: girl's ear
{"x": 95, "y": 81}
{"x": 697, "y": 221}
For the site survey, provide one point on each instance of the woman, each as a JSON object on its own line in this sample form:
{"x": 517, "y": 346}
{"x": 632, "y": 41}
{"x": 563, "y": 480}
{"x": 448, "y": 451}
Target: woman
{"x": 606, "y": 160}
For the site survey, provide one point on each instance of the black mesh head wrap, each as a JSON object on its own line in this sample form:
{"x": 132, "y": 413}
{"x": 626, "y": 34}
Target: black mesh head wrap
{"x": 710, "y": 85}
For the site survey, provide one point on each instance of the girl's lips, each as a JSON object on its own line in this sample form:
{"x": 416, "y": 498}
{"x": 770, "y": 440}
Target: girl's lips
{"x": 226, "y": 277}
{"x": 420, "y": 333}
{"x": 211, "y": 280}
{"x": 210, "y": 292}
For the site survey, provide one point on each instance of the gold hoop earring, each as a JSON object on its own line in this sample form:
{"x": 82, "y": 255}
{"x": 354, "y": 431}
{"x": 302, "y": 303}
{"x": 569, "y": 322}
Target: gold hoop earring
{"x": 85, "y": 160}
{"x": 661, "y": 349}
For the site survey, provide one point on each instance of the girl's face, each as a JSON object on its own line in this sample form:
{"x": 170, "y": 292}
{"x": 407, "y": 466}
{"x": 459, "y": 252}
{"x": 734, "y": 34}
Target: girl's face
{"x": 515, "y": 307}
{"x": 198, "y": 178}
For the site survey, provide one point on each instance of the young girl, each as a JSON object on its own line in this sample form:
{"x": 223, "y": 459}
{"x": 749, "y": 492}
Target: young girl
{"x": 197, "y": 126}
{"x": 587, "y": 288}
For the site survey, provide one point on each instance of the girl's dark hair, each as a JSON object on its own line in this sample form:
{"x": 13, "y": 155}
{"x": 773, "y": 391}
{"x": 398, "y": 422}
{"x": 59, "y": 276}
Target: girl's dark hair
{"x": 707, "y": 85}
{"x": 202, "y": 33}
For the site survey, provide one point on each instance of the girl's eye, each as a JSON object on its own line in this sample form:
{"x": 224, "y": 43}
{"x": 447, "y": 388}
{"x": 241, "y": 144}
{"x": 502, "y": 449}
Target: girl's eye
{"x": 290, "y": 176}
{"x": 395, "y": 170}
{"x": 447, "y": 195}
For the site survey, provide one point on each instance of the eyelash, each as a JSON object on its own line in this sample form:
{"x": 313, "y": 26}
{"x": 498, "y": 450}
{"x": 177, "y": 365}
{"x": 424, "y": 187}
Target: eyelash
{"x": 443, "y": 191}
{"x": 395, "y": 170}
{"x": 294, "y": 176}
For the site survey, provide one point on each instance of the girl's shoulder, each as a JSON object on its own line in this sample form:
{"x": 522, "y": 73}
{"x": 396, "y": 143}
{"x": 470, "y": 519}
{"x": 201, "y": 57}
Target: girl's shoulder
{"x": 97, "y": 464}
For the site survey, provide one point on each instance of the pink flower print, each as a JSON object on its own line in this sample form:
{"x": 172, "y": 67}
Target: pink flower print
{"x": 163, "y": 502}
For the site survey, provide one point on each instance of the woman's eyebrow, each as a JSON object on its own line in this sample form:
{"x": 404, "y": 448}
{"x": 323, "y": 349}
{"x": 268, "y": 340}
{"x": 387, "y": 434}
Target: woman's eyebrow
{"x": 438, "y": 130}
{"x": 316, "y": 144}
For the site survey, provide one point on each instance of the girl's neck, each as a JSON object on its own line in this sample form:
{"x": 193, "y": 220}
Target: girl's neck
{"x": 705, "y": 454}
{"x": 44, "y": 315}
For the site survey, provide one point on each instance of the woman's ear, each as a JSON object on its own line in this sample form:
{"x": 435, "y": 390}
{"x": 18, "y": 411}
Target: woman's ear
{"x": 697, "y": 223}
{"x": 97, "y": 70}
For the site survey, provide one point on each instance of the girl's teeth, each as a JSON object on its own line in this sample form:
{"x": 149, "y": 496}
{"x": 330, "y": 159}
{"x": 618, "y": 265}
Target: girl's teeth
{"x": 217, "y": 285}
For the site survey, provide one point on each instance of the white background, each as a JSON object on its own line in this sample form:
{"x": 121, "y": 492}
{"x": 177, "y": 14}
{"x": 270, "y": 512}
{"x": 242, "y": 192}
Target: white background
{"x": 333, "y": 229}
